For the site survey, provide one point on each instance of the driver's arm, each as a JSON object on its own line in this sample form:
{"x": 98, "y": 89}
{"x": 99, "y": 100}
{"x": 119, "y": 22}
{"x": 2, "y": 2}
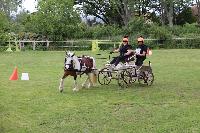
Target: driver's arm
{"x": 143, "y": 54}
{"x": 129, "y": 52}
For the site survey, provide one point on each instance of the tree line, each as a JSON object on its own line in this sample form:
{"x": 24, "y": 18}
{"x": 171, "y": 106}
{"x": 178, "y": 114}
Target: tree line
{"x": 99, "y": 19}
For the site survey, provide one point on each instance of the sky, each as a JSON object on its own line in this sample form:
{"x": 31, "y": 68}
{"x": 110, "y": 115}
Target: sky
{"x": 29, "y": 5}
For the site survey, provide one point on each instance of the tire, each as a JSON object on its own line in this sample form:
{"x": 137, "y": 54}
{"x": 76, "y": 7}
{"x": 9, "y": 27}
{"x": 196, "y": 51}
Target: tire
{"x": 124, "y": 79}
{"x": 133, "y": 76}
{"x": 104, "y": 77}
{"x": 146, "y": 78}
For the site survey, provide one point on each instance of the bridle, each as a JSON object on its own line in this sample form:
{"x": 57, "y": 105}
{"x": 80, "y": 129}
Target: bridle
{"x": 71, "y": 64}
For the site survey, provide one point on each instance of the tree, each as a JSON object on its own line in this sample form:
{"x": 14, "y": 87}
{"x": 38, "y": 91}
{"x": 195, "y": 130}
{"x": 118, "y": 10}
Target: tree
{"x": 124, "y": 8}
{"x": 9, "y": 6}
{"x": 55, "y": 19}
{"x": 97, "y": 8}
{"x": 4, "y": 28}
{"x": 185, "y": 16}
{"x": 169, "y": 9}
{"x": 198, "y": 11}
{"x": 109, "y": 11}
{"x": 4, "y": 23}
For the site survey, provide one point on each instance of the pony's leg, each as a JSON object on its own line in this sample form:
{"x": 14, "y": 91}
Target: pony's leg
{"x": 94, "y": 77}
{"x": 89, "y": 80}
{"x": 85, "y": 83}
{"x": 61, "y": 86}
{"x": 75, "y": 84}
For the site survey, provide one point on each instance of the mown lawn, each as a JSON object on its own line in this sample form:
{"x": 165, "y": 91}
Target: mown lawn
{"x": 171, "y": 104}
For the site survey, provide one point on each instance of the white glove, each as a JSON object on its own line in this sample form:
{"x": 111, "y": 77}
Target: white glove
{"x": 137, "y": 51}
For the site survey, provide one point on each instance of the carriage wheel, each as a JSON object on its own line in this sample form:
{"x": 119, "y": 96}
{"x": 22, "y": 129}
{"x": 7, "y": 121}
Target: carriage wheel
{"x": 132, "y": 76}
{"x": 146, "y": 78}
{"x": 132, "y": 80}
{"x": 104, "y": 76}
{"x": 124, "y": 79}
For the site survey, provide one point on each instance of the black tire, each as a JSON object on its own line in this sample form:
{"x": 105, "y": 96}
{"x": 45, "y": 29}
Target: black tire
{"x": 104, "y": 76}
{"x": 146, "y": 78}
{"x": 124, "y": 79}
{"x": 133, "y": 76}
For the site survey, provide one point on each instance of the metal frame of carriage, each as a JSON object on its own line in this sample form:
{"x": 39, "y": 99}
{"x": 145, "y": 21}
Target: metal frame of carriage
{"x": 127, "y": 74}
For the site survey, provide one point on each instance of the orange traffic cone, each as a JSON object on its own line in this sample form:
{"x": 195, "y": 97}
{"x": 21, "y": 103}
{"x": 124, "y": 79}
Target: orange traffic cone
{"x": 14, "y": 75}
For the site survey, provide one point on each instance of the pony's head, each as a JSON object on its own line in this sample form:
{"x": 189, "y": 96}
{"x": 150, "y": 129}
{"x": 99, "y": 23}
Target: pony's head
{"x": 69, "y": 60}
{"x": 69, "y": 54}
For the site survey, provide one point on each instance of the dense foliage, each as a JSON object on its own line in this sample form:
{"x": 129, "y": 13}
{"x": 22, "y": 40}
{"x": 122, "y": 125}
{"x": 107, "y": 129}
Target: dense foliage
{"x": 60, "y": 20}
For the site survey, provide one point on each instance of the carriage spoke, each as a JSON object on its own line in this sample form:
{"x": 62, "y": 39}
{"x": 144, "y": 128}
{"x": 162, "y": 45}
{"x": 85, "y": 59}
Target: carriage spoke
{"x": 103, "y": 77}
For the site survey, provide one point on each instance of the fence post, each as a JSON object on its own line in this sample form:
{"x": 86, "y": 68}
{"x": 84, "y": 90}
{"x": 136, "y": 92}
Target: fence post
{"x": 34, "y": 44}
{"x": 17, "y": 47}
{"x": 95, "y": 47}
{"x": 20, "y": 45}
{"x": 9, "y": 47}
{"x": 47, "y": 44}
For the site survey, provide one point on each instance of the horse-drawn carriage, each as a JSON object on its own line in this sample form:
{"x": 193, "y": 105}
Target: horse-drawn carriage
{"x": 126, "y": 73}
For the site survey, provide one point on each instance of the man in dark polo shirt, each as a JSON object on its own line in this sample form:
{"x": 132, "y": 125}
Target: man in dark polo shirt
{"x": 141, "y": 52}
{"x": 125, "y": 51}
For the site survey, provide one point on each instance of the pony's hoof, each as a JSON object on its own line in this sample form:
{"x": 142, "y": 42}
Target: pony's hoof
{"x": 61, "y": 90}
{"x": 89, "y": 85}
{"x": 83, "y": 86}
{"x": 93, "y": 85}
{"x": 75, "y": 89}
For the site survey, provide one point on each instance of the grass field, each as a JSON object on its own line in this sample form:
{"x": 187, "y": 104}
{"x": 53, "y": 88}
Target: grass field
{"x": 171, "y": 104}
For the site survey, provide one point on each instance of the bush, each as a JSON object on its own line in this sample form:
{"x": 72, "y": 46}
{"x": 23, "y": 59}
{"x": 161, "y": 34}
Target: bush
{"x": 160, "y": 33}
{"x": 3, "y": 38}
{"x": 190, "y": 29}
{"x": 136, "y": 26}
{"x": 108, "y": 31}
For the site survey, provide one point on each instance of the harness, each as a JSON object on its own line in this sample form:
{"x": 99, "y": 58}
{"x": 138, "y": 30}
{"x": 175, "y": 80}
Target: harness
{"x": 85, "y": 62}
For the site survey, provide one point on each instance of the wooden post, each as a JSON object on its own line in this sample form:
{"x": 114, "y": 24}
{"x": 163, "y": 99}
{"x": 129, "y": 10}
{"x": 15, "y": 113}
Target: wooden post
{"x": 95, "y": 47}
{"x": 47, "y": 44}
{"x": 20, "y": 45}
{"x": 34, "y": 44}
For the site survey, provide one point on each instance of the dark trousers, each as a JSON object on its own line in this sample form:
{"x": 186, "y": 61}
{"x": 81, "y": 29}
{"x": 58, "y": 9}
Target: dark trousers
{"x": 118, "y": 59}
{"x": 139, "y": 62}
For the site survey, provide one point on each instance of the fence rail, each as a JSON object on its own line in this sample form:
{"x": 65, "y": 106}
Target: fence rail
{"x": 68, "y": 44}
{"x": 93, "y": 45}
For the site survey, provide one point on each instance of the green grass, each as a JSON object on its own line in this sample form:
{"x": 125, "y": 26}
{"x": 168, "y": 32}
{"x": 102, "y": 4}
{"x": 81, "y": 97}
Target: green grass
{"x": 171, "y": 104}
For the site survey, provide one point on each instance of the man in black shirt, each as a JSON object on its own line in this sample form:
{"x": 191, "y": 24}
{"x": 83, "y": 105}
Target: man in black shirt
{"x": 141, "y": 52}
{"x": 125, "y": 51}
